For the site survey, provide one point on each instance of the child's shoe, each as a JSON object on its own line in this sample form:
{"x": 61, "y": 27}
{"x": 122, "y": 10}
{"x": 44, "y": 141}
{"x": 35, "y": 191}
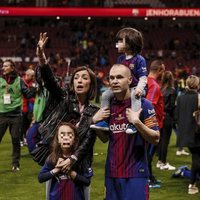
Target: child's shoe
{"x": 102, "y": 125}
{"x": 131, "y": 129}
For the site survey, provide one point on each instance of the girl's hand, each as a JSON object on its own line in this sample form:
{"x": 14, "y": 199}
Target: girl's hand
{"x": 65, "y": 165}
{"x": 57, "y": 169}
{"x": 72, "y": 174}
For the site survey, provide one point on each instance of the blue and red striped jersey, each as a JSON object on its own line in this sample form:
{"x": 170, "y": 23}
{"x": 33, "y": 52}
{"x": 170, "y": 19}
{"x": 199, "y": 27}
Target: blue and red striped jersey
{"x": 62, "y": 187}
{"x": 126, "y": 155}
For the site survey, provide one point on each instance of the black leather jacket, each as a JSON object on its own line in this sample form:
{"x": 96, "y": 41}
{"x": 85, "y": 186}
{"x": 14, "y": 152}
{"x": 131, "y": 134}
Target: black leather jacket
{"x": 68, "y": 110}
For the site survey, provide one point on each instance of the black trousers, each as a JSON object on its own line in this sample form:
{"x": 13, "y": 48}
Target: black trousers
{"x": 165, "y": 134}
{"x": 26, "y": 121}
{"x": 14, "y": 125}
{"x": 195, "y": 168}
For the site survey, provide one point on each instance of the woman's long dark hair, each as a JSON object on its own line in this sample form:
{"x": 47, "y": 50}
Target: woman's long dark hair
{"x": 167, "y": 80}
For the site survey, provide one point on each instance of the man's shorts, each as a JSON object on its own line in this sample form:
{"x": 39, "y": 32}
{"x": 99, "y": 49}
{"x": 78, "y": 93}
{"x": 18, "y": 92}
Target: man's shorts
{"x": 127, "y": 188}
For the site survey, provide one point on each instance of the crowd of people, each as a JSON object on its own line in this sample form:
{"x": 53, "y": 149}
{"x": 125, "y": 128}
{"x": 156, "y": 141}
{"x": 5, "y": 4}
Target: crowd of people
{"x": 137, "y": 114}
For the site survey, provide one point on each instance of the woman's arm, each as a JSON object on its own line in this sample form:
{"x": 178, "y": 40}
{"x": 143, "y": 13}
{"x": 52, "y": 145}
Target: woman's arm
{"x": 47, "y": 75}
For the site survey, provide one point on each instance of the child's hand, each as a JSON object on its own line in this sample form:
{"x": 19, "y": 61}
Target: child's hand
{"x": 133, "y": 117}
{"x": 72, "y": 174}
{"x": 65, "y": 165}
{"x": 57, "y": 167}
{"x": 138, "y": 92}
{"x": 101, "y": 114}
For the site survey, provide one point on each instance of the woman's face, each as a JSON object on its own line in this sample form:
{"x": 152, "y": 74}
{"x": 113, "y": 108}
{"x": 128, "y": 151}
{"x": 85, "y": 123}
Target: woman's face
{"x": 82, "y": 82}
{"x": 66, "y": 137}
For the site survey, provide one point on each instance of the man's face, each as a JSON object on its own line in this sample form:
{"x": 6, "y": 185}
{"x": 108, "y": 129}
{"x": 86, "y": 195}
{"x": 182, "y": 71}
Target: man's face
{"x": 120, "y": 79}
{"x": 30, "y": 76}
{"x": 7, "y": 68}
{"x": 66, "y": 137}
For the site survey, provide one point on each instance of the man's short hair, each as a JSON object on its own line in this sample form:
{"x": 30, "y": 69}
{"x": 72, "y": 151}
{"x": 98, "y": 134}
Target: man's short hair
{"x": 156, "y": 65}
{"x": 30, "y": 72}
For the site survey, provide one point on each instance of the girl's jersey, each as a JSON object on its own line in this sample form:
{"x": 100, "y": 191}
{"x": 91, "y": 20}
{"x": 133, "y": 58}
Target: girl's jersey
{"x": 62, "y": 186}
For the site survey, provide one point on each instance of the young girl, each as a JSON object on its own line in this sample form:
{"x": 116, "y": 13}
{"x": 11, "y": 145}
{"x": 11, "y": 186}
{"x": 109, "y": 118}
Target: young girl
{"x": 70, "y": 185}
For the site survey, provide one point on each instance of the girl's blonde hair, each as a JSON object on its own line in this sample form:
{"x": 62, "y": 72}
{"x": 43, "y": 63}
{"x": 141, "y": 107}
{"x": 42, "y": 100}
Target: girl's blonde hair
{"x": 193, "y": 82}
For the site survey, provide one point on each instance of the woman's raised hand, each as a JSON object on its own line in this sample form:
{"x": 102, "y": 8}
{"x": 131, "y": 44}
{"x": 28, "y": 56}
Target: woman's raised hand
{"x": 40, "y": 48}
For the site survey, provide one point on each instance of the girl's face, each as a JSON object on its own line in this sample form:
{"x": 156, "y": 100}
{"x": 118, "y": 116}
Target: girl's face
{"x": 82, "y": 82}
{"x": 66, "y": 137}
{"x": 121, "y": 45}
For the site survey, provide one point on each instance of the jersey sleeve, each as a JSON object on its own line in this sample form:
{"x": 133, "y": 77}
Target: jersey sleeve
{"x": 149, "y": 115}
{"x": 142, "y": 67}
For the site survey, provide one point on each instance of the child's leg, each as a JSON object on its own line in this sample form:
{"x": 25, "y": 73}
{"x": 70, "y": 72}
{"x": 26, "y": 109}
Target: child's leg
{"x": 135, "y": 106}
{"x": 135, "y": 102}
{"x": 106, "y": 98}
{"x": 105, "y": 103}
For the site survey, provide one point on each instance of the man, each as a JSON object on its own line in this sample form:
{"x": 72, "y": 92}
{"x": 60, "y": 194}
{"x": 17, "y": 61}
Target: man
{"x": 11, "y": 89}
{"x": 155, "y": 96}
{"x": 126, "y": 165}
{"x": 27, "y": 105}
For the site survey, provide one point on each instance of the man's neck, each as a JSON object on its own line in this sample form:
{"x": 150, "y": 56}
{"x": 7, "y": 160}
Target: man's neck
{"x": 123, "y": 96}
{"x": 152, "y": 75}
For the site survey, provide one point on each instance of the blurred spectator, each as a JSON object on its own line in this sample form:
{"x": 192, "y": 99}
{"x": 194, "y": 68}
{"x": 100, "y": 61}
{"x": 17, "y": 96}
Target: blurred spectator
{"x": 189, "y": 135}
{"x": 169, "y": 93}
{"x": 27, "y": 105}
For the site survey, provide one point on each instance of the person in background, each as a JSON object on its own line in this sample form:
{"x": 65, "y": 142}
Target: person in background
{"x": 189, "y": 135}
{"x": 65, "y": 186}
{"x": 181, "y": 89}
{"x": 27, "y": 105}
{"x": 155, "y": 96}
{"x": 169, "y": 93}
{"x": 12, "y": 87}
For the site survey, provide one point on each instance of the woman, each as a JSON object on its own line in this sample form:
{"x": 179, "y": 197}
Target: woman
{"x": 169, "y": 94}
{"x": 189, "y": 133}
{"x": 73, "y": 106}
